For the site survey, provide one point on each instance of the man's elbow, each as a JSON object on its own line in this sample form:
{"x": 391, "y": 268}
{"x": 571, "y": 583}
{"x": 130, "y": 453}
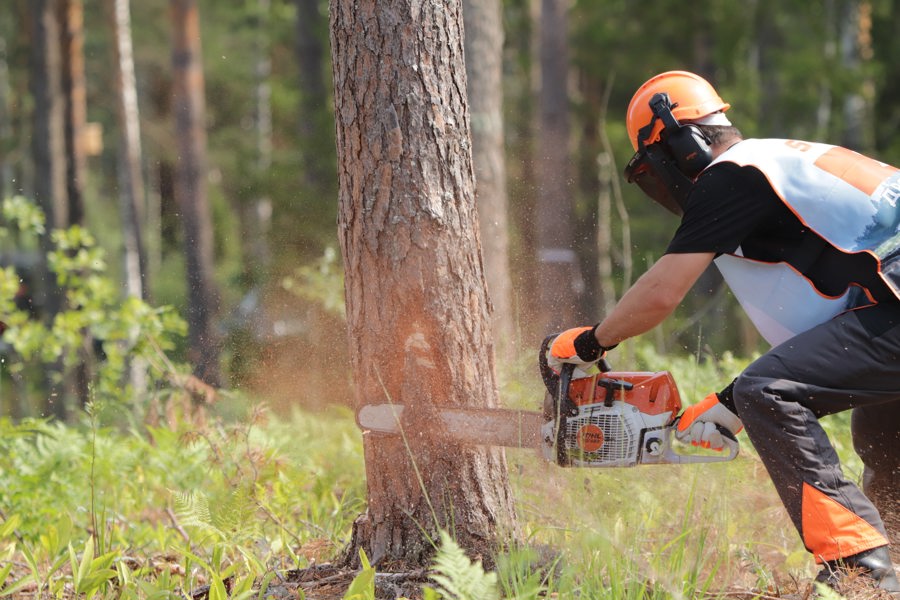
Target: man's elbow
{"x": 665, "y": 302}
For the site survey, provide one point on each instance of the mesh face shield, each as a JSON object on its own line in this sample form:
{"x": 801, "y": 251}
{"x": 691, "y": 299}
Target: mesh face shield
{"x": 658, "y": 176}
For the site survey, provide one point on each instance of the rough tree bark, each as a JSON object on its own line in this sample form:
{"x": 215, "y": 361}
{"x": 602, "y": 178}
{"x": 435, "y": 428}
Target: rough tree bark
{"x": 190, "y": 188}
{"x": 417, "y": 308}
{"x": 484, "y": 70}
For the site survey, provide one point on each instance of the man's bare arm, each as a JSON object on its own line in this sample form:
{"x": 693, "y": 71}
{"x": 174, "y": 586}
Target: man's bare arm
{"x": 653, "y": 297}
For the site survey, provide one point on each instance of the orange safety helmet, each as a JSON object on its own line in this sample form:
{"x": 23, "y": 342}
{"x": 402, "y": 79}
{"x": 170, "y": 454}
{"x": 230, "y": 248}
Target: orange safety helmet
{"x": 692, "y": 98}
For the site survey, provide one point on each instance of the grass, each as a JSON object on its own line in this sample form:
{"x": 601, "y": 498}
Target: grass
{"x": 174, "y": 509}
{"x": 93, "y": 511}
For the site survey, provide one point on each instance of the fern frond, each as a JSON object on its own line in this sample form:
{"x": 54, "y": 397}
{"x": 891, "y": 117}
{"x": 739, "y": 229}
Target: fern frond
{"x": 192, "y": 510}
{"x": 458, "y": 578}
{"x": 235, "y": 517}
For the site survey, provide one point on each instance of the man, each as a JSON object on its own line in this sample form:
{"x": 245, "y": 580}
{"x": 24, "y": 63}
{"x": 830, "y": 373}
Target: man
{"x": 807, "y": 236}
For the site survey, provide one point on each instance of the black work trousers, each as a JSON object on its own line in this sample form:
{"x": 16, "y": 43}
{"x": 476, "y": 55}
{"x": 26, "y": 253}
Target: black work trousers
{"x": 850, "y": 362}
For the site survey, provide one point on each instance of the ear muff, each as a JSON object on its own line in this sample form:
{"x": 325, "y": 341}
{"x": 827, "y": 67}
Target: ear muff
{"x": 690, "y": 149}
{"x": 686, "y": 143}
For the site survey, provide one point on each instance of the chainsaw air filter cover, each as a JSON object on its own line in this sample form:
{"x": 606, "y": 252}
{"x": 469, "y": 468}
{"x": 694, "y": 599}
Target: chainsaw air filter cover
{"x": 622, "y": 419}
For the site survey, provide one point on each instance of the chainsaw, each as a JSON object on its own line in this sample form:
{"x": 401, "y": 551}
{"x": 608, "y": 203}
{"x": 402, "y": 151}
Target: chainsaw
{"x": 610, "y": 419}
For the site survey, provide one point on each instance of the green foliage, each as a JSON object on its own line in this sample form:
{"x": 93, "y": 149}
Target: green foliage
{"x": 139, "y": 515}
{"x": 363, "y": 585}
{"x": 91, "y": 312}
{"x": 251, "y": 499}
{"x": 521, "y": 576}
{"x": 823, "y": 592}
{"x": 90, "y": 573}
{"x": 458, "y": 578}
{"x": 321, "y": 282}
{"x": 231, "y": 521}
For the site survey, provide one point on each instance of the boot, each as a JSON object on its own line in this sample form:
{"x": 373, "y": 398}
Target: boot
{"x": 875, "y": 564}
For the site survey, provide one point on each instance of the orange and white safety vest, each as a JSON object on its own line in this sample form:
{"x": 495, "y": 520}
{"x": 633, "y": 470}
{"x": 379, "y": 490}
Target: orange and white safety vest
{"x": 848, "y": 199}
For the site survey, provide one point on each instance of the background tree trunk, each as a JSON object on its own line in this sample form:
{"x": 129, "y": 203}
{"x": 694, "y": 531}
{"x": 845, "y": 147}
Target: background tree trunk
{"x": 559, "y": 276}
{"x": 417, "y": 308}
{"x": 6, "y": 135}
{"x": 484, "y": 70}
{"x": 49, "y": 152}
{"x": 71, "y": 19}
{"x": 131, "y": 177}
{"x": 191, "y": 189}
{"x": 259, "y": 220}
{"x": 48, "y": 143}
{"x": 313, "y": 94}
{"x": 130, "y": 168}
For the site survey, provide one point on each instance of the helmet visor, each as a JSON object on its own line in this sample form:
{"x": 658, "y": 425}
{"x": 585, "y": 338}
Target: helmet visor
{"x": 641, "y": 170}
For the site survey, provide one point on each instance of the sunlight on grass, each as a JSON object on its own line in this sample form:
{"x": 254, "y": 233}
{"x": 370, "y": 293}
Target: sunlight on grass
{"x": 140, "y": 514}
{"x": 178, "y": 509}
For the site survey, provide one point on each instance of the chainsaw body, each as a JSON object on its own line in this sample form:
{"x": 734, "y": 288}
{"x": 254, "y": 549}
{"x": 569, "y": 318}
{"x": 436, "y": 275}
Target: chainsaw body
{"x": 616, "y": 419}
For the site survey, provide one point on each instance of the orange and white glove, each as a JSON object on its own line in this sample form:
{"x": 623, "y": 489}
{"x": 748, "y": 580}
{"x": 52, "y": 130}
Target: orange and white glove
{"x": 577, "y": 346}
{"x": 699, "y": 424}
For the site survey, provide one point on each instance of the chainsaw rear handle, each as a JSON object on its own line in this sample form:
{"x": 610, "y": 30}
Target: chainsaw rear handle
{"x": 731, "y": 444}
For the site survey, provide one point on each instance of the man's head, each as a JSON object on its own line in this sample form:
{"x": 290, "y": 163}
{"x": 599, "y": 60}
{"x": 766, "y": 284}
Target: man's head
{"x": 675, "y": 121}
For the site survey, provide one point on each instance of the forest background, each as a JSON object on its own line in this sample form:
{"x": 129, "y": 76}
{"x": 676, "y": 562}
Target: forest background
{"x": 170, "y": 198}
{"x": 267, "y": 180}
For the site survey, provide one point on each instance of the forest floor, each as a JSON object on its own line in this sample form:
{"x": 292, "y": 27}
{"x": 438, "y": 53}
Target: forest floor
{"x": 260, "y": 505}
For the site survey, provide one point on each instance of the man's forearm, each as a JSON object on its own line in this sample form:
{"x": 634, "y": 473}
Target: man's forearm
{"x": 653, "y": 297}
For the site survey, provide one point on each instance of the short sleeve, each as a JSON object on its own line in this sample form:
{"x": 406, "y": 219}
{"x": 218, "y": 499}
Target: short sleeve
{"x": 727, "y": 204}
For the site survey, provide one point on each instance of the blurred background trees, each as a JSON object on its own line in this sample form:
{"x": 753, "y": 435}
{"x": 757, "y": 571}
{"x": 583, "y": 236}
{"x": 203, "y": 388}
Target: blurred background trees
{"x": 92, "y": 130}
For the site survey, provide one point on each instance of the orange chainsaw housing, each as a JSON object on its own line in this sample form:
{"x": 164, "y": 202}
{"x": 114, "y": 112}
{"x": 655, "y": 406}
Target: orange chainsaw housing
{"x": 652, "y": 393}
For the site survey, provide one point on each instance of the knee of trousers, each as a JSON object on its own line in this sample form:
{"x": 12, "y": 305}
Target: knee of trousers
{"x": 765, "y": 403}
{"x": 753, "y": 399}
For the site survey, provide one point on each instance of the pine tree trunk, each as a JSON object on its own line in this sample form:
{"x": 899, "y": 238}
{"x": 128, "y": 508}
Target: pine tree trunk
{"x": 190, "y": 189}
{"x": 48, "y": 143}
{"x": 130, "y": 173}
{"x": 484, "y": 70}
{"x": 417, "y": 307}
{"x": 258, "y": 222}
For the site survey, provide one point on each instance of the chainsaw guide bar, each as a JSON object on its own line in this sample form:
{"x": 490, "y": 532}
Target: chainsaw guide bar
{"x": 474, "y": 426}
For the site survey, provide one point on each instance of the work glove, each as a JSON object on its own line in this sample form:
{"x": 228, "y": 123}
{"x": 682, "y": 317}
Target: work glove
{"x": 577, "y": 346}
{"x": 699, "y": 424}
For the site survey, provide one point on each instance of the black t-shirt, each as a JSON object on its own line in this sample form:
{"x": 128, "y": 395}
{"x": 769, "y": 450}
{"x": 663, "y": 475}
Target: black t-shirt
{"x": 732, "y": 206}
